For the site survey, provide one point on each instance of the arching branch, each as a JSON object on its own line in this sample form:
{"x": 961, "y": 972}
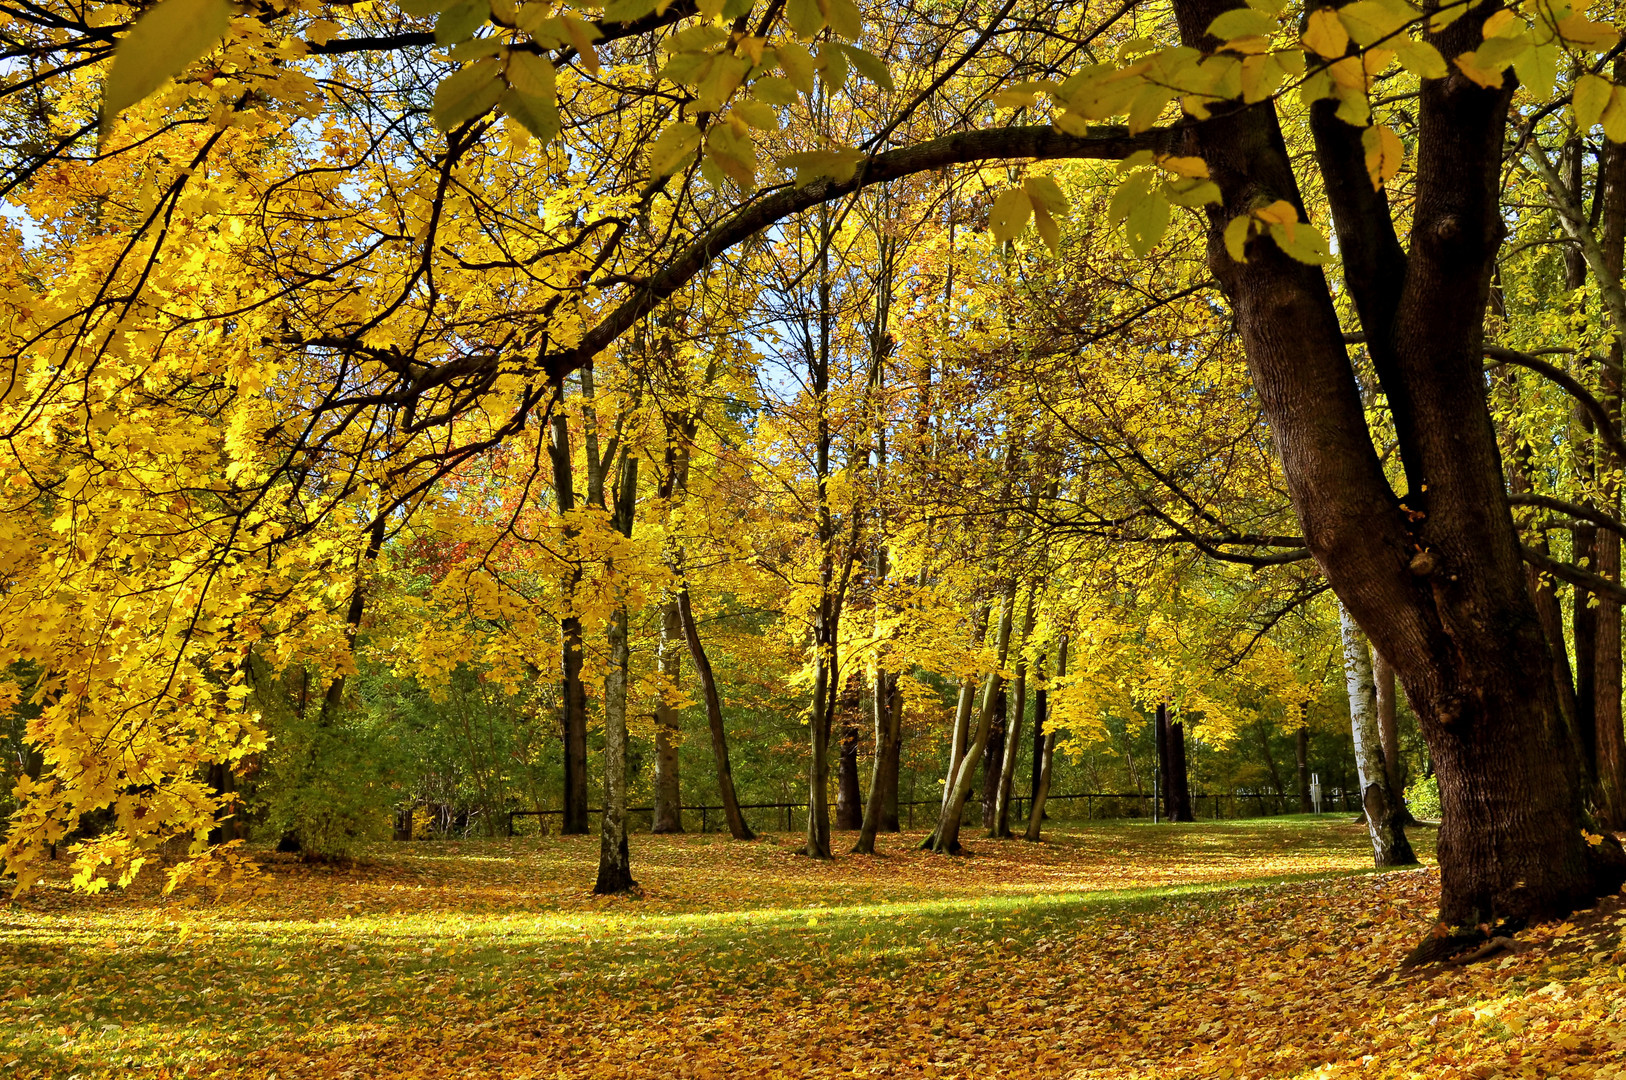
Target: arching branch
{"x": 1039, "y": 142}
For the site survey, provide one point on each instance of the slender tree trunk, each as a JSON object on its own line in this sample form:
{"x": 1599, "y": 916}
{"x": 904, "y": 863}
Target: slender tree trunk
{"x": 1301, "y": 754}
{"x": 965, "y": 703}
{"x": 1263, "y": 731}
{"x": 1165, "y": 785}
{"x": 818, "y": 765}
{"x": 1385, "y": 813}
{"x": 668, "y": 733}
{"x": 993, "y": 758}
{"x": 614, "y": 861}
{"x": 1180, "y": 782}
{"x": 1584, "y": 632}
{"x": 1041, "y": 788}
{"x": 1013, "y": 731}
{"x": 737, "y": 828}
{"x": 1543, "y": 595}
{"x": 849, "y": 804}
{"x": 884, "y": 771}
{"x": 1388, "y": 722}
{"x": 681, "y": 429}
{"x": 572, "y": 692}
{"x": 894, "y": 758}
{"x": 946, "y": 837}
{"x": 825, "y": 632}
{"x": 1041, "y": 698}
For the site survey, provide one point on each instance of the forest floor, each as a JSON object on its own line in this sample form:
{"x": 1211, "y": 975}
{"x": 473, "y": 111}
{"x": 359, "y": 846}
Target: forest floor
{"x": 1263, "y": 948}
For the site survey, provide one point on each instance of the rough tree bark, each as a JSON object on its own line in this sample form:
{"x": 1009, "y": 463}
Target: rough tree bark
{"x": 614, "y": 861}
{"x": 1041, "y": 699}
{"x": 572, "y": 693}
{"x": 1437, "y": 583}
{"x": 993, "y": 758}
{"x": 894, "y": 758}
{"x": 946, "y": 837}
{"x": 737, "y": 827}
{"x": 1383, "y": 675}
{"x": 1047, "y": 753}
{"x": 1013, "y": 731}
{"x": 884, "y": 770}
{"x": 1385, "y": 813}
{"x": 1180, "y": 782}
{"x": 1610, "y": 752}
{"x": 1301, "y": 758}
{"x": 849, "y": 804}
{"x": 1164, "y": 787}
{"x": 668, "y": 816}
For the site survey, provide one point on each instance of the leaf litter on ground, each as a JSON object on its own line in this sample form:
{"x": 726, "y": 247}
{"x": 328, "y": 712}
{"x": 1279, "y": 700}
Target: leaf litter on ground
{"x": 1249, "y": 949}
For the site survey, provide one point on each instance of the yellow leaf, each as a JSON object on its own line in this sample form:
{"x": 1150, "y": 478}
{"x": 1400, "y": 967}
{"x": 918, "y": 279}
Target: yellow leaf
{"x": 1420, "y": 58}
{"x": 1280, "y": 212}
{"x": 467, "y": 93}
{"x": 530, "y": 74}
{"x": 1049, "y": 230}
{"x": 1384, "y": 153}
{"x": 672, "y": 148}
{"x": 1591, "y": 97}
{"x": 158, "y": 47}
{"x": 1488, "y": 77}
{"x": 582, "y": 37}
{"x": 1185, "y": 166}
{"x": 1500, "y": 21}
{"x": 1325, "y": 35}
{"x": 1010, "y": 214}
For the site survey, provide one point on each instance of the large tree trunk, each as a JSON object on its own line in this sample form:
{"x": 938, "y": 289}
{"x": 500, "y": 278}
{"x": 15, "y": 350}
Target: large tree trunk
{"x": 614, "y": 862}
{"x": 737, "y": 828}
{"x": 572, "y": 693}
{"x": 1610, "y": 751}
{"x": 1438, "y": 583}
{"x": 1047, "y": 754}
{"x": 1385, "y": 814}
{"x": 946, "y": 837}
{"x": 668, "y": 733}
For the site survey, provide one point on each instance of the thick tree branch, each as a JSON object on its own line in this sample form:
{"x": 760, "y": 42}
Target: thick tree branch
{"x": 1575, "y": 510}
{"x": 1038, "y": 142}
{"x": 1573, "y": 574}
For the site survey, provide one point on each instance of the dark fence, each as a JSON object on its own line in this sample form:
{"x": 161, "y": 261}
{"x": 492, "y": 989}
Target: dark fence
{"x": 1097, "y": 806}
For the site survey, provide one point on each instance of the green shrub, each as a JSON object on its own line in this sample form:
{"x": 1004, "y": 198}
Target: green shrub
{"x": 1423, "y": 799}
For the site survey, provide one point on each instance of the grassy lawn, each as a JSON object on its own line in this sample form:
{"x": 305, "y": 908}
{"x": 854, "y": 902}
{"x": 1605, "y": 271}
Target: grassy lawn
{"x": 1257, "y": 948}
